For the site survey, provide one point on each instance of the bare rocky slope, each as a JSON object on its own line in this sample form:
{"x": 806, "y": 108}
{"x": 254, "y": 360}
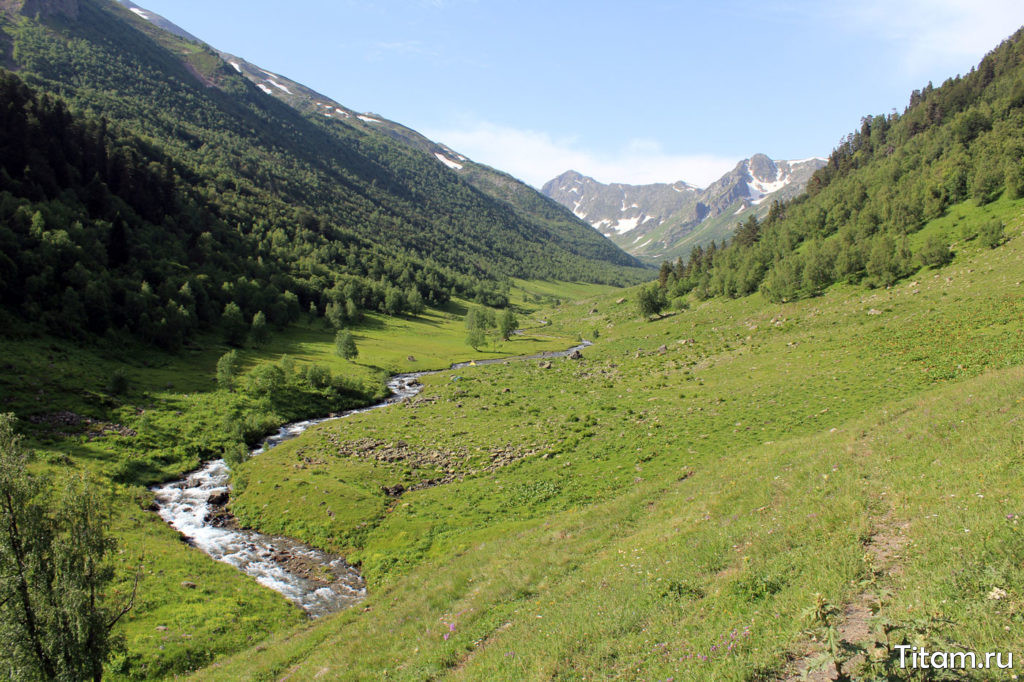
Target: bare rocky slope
{"x": 660, "y": 221}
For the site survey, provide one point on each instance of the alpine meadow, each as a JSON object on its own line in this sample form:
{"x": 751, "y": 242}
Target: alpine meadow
{"x": 290, "y": 391}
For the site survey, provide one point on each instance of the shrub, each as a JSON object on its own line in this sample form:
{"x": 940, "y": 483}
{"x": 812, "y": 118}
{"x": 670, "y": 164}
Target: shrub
{"x": 935, "y": 252}
{"x": 991, "y": 234}
{"x": 266, "y": 379}
{"x": 227, "y": 368}
{"x": 118, "y": 383}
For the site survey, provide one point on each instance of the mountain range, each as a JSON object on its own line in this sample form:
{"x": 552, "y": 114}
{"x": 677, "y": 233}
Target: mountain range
{"x": 492, "y": 182}
{"x": 663, "y": 221}
{"x": 202, "y": 176}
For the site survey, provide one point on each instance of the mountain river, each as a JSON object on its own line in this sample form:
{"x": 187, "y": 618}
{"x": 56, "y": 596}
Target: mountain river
{"x": 317, "y": 581}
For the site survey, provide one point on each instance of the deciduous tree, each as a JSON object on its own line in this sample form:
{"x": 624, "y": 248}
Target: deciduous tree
{"x": 57, "y": 609}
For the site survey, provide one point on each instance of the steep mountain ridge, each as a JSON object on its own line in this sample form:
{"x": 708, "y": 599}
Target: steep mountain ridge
{"x": 256, "y": 204}
{"x": 159, "y": 21}
{"x": 522, "y": 199}
{"x": 617, "y": 208}
{"x": 662, "y": 221}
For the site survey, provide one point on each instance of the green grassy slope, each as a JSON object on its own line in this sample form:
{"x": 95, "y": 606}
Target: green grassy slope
{"x": 683, "y": 511}
{"x": 177, "y": 417}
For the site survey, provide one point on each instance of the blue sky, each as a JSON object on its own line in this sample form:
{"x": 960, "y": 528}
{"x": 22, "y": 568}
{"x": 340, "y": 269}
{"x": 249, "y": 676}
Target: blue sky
{"x": 642, "y": 91}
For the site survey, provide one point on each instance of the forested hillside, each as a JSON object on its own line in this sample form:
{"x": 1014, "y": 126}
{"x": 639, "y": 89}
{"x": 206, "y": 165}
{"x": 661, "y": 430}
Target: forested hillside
{"x": 146, "y": 185}
{"x": 525, "y": 201}
{"x": 858, "y": 219}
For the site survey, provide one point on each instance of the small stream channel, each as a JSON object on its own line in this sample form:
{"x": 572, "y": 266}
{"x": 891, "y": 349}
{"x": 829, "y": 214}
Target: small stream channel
{"x": 318, "y": 582}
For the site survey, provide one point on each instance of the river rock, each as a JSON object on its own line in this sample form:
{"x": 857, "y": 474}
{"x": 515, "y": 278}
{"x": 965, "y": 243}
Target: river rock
{"x": 576, "y": 355}
{"x": 218, "y": 499}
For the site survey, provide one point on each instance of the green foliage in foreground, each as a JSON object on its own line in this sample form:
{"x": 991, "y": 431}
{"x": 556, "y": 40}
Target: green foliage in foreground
{"x": 649, "y": 513}
{"x": 56, "y": 614}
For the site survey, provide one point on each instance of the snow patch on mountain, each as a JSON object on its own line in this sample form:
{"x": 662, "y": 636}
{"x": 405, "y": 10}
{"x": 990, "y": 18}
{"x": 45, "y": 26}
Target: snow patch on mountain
{"x": 368, "y": 119}
{"x": 142, "y": 13}
{"x": 651, "y": 220}
{"x": 445, "y": 160}
{"x": 759, "y": 187}
{"x": 264, "y": 88}
{"x": 238, "y": 67}
{"x": 279, "y": 86}
{"x": 624, "y": 225}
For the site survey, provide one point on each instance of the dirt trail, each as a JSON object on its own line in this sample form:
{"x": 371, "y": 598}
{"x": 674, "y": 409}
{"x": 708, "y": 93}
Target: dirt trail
{"x": 883, "y": 551}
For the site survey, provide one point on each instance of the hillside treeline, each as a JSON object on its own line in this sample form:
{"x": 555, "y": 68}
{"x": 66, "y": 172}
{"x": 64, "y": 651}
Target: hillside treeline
{"x": 963, "y": 140}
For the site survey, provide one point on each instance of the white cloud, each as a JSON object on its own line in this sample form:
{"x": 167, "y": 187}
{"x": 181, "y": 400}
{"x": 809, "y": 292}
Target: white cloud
{"x": 936, "y": 34}
{"x": 536, "y": 157}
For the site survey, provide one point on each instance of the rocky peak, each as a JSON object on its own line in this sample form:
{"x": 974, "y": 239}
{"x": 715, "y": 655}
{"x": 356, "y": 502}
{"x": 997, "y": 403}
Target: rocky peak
{"x": 762, "y": 168}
